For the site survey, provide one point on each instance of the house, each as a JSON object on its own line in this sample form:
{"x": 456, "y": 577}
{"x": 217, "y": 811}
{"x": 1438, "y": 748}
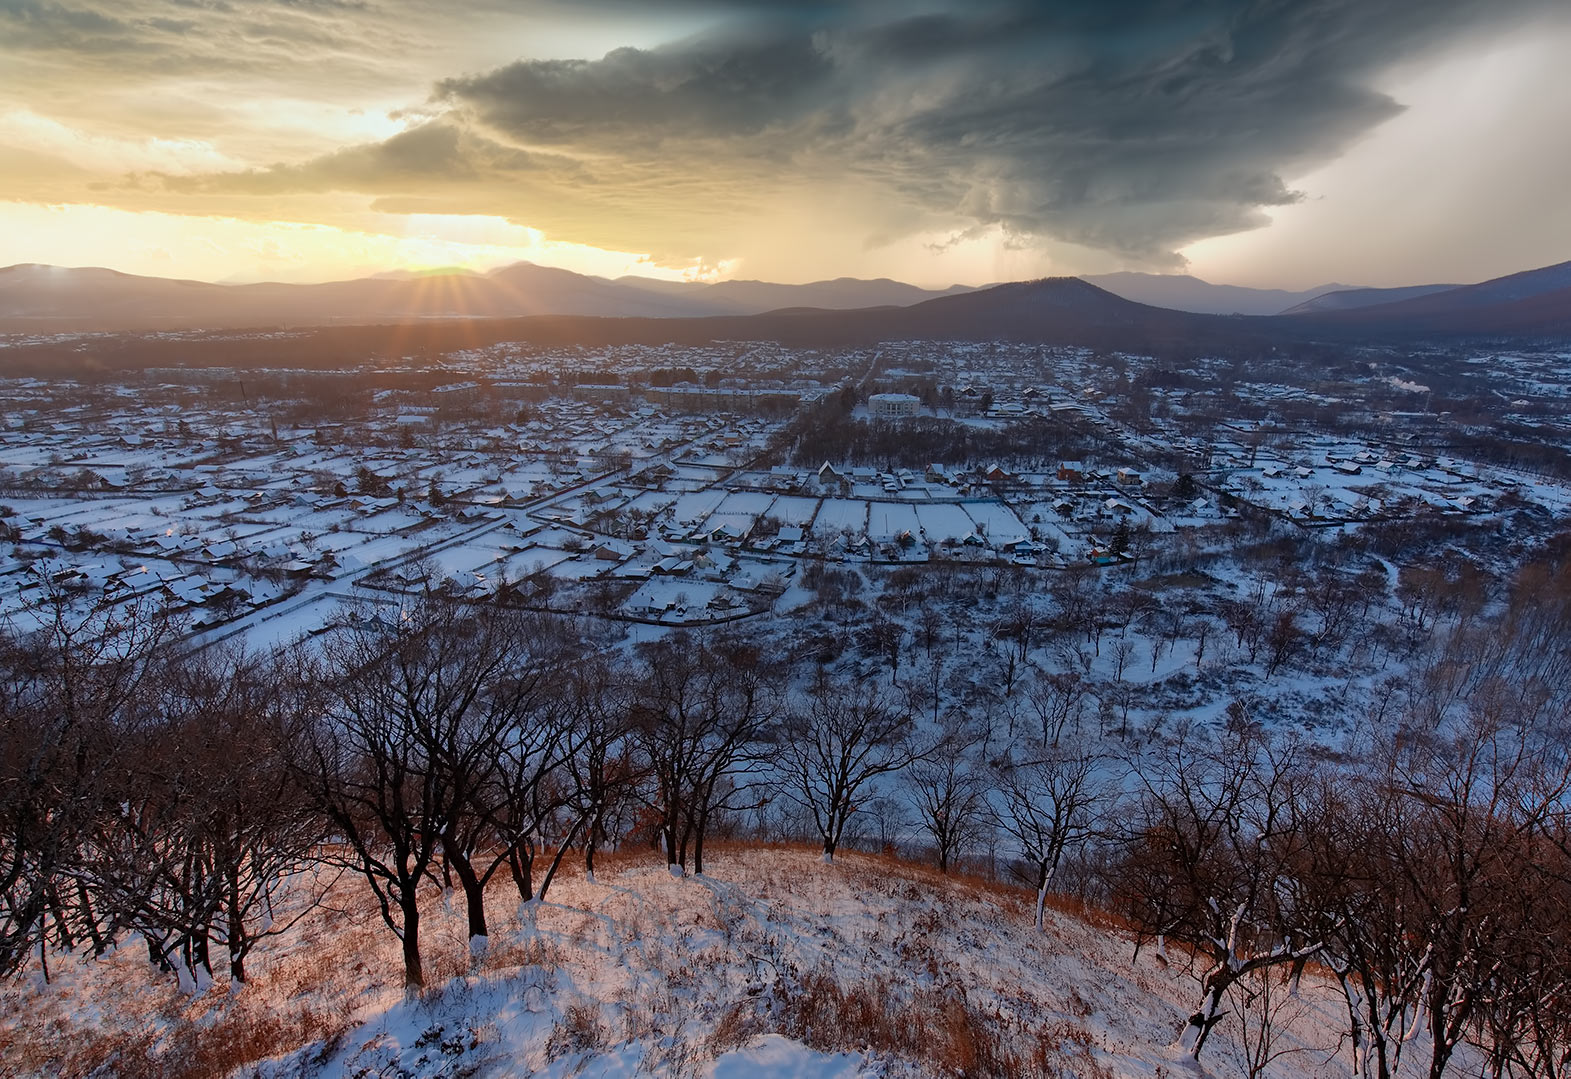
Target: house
{"x": 889, "y": 406}
{"x": 1071, "y": 472}
{"x": 1129, "y": 477}
{"x": 717, "y": 562}
{"x": 613, "y": 550}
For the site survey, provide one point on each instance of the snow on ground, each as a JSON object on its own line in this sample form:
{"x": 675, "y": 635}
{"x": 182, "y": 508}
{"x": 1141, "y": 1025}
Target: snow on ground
{"x": 695, "y": 506}
{"x": 793, "y": 509}
{"x": 887, "y": 520}
{"x": 944, "y": 521}
{"x": 771, "y": 964}
{"x": 837, "y": 514}
{"x": 997, "y": 521}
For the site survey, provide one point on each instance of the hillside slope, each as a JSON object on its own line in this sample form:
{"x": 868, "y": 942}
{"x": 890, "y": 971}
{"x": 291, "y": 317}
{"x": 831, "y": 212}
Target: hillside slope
{"x": 1532, "y": 302}
{"x": 1354, "y": 298}
{"x": 772, "y": 965}
{"x": 1184, "y": 292}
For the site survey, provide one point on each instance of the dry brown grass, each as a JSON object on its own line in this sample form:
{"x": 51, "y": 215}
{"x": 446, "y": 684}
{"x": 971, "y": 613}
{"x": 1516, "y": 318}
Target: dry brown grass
{"x": 937, "y": 1027}
{"x": 341, "y": 965}
{"x": 136, "y": 1048}
{"x": 580, "y": 1030}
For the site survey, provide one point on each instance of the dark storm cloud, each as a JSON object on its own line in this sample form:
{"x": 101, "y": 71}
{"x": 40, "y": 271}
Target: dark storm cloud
{"x": 735, "y": 86}
{"x": 1131, "y": 127}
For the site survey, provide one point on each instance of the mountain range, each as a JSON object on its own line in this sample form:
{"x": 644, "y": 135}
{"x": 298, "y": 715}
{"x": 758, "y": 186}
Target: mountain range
{"x": 535, "y": 302}
{"x": 56, "y": 299}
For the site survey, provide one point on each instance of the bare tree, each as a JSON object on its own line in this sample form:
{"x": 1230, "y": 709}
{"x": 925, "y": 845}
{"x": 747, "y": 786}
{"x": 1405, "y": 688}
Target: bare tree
{"x": 1266, "y": 1002}
{"x": 401, "y": 746}
{"x": 699, "y": 712}
{"x": 71, "y": 694}
{"x": 949, "y": 798}
{"x": 1207, "y": 853}
{"x": 1050, "y": 804}
{"x": 834, "y": 748}
{"x": 207, "y": 824}
{"x": 605, "y": 769}
{"x": 1056, "y": 698}
{"x": 507, "y": 753}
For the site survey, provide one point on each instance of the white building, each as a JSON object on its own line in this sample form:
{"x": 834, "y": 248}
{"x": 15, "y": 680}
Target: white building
{"x": 890, "y": 406}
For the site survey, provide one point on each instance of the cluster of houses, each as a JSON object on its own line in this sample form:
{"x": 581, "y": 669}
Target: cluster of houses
{"x": 650, "y": 497}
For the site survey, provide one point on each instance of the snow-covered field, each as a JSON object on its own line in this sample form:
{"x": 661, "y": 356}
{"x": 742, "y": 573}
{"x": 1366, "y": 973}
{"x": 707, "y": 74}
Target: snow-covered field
{"x": 771, "y": 964}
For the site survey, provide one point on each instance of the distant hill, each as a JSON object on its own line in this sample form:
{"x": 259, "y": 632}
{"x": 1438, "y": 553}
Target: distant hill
{"x": 1182, "y": 292}
{"x": 50, "y": 299}
{"x": 1529, "y": 303}
{"x": 1348, "y": 299}
{"x": 842, "y": 293}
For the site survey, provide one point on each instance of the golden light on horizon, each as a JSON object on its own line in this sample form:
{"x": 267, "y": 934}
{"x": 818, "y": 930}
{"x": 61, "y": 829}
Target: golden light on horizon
{"x": 230, "y": 249}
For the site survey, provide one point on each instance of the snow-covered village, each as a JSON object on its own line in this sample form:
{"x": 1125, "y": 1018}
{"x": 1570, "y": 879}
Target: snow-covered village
{"x": 697, "y": 539}
{"x": 877, "y": 649}
{"x": 688, "y": 504}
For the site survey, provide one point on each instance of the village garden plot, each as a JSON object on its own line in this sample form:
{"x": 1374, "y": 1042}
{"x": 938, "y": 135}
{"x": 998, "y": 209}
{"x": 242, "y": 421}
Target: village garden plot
{"x": 912, "y": 517}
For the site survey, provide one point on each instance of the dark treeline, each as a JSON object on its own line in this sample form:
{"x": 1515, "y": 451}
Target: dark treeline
{"x": 832, "y": 435}
{"x": 203, "y": 800}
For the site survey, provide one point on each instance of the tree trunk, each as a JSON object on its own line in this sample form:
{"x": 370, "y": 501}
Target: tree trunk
{"x": 1210, "y": 1014}
{"x": 675, "y": 852}
{"x": 90, "y": 919}
{"x": 414, "y": 973}
{"x": 521, "y": 869}
{"x": 474, "y": 895}
{"x": 201, "y": 954}
{"x": 1044, "y": 874}
{"x": 239, "y": 943}
{"x": 155, "y": 955}
{"x": 556, "y": 859}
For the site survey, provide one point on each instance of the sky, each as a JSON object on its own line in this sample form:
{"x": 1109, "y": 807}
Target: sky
{"x": 1275, "y": 143}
